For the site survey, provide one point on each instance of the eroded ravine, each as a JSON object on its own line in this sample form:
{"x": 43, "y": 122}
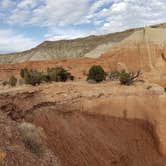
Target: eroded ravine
{"x": 80, "y": 139}
{"x": 107, "y": 136}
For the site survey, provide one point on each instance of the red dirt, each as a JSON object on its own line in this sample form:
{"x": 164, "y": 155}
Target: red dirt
{"x": 89, "y": 140}
{"x": 12, "y": 149}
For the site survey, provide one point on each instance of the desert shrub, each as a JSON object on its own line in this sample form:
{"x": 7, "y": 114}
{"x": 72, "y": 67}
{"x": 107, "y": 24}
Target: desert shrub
{"x": 127, "y": 78}
{"x": 45, "y": 78}
{"x": 12, "y": 81}
{"x": 96, "y": 73}
{"x": 32, "y": 77}
{"x": 59, "y": 74}
{"x": 22, "y": 73}
{"x": 32, "y": 137}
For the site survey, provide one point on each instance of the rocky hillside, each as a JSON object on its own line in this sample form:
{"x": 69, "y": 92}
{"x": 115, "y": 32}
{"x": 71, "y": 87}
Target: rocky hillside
{"x": 64, "y": 48}
{"x": 92, "y": 46}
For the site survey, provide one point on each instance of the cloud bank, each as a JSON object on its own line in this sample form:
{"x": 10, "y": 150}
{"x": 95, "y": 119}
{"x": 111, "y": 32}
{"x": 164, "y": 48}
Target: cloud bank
{"x": 70, "y": 18}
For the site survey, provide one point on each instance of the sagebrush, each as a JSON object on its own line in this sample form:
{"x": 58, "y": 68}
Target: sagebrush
{"x": 32, "y": 137}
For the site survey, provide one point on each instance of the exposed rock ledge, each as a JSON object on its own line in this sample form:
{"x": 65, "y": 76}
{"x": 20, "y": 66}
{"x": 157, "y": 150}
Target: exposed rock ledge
{"x": 140, "y": 101}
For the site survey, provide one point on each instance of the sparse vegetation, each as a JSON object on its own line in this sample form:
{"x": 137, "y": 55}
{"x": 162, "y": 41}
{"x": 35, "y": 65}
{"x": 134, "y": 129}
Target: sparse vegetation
{"x": 12, "y": 81}
{"x": 96, "y": 73}
{"x": 32, "y": 137}
{"x": 35, "y": 77}
{"x": 32, "y": 77}
{"x": 59, "y": 74}
{"x": 126, "y": 78}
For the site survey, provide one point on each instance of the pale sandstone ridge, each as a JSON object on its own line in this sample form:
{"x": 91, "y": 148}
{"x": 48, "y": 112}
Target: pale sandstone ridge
{"x": 64, "y": 48}
{"x": 147, "y": 35}
{"x": 92, "y": 46}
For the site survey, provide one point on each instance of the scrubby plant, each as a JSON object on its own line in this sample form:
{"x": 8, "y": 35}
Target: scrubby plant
{"x": 96, "y": 73}
{"x": 32, "y": 137}
{"x": 32, "y": 77}
{"x": 22, "y": 73}
{"x": 12, "y": 81}
{"x": 35, "y": 77}
{"x": 59, "y": 74}
{"x": 45, "y": 78}
{"x": 127, "y": 78}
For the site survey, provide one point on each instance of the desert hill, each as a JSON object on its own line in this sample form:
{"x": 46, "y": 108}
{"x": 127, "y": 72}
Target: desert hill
{"x": 64, "y": 48}
{"x": 92, "y": 46}
{"x": 143, "y": 50}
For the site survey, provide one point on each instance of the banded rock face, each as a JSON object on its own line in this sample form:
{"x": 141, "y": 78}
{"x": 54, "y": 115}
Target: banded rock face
{"x": 92, "y": 46}
{"x": 64, "y": 48}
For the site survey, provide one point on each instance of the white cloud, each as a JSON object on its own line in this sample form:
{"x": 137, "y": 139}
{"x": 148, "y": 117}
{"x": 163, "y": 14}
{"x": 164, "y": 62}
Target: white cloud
{"x": 6, "y": 4}
{"x": 69, "y": 18}
{"x": 60, "y": 34}
{"x": 125, "y": 14}
{"x": 12, "y": 41}
{"x": 62, "y": 13}
{"x": 49, "y": 12}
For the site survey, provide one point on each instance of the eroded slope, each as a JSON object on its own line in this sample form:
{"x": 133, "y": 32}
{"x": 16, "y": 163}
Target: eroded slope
{"x": 80, "y": 130}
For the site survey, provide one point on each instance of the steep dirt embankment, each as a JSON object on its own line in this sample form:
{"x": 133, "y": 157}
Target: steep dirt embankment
{"x": 89, "y": 124}
{"x": 134, "y": 102}
{"x": 94, "y": 140}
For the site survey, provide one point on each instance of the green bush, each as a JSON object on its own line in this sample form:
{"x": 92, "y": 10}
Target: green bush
{"x": 96, "y": 73}
{"x": 12, "y": 81}
{"x": 32, "y": 77}
{"x": 126, "y": 78}
{"x": 45, "y": 78}
{"x": 59, "y": 74}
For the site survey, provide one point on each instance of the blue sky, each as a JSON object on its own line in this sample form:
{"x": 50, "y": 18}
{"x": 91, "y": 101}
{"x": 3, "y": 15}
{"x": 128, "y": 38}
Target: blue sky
{"x": 26, "y": 23}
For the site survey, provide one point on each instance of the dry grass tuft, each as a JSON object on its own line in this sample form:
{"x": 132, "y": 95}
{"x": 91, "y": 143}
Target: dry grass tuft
{"x": 32, "y": 137}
